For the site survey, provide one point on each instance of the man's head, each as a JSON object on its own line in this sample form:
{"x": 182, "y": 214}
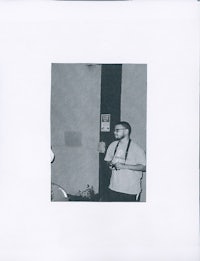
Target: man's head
{"x": 122, "y": 129}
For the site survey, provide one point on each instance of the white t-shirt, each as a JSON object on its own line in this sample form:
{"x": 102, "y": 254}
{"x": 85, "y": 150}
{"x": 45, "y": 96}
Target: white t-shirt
{"x": 125, "y": 180}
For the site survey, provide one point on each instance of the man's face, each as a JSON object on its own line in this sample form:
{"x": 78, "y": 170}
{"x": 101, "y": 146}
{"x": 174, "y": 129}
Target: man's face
{"x": 119, "y": 132}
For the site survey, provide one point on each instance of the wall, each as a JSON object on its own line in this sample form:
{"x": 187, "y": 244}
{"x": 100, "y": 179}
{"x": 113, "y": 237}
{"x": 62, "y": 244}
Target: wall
{"x": 133, "y": 105}
{"x": 75, "y": 110}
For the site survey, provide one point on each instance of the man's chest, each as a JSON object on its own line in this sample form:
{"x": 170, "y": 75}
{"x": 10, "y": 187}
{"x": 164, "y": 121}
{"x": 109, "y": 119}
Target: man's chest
{"x": 121, "y": 152}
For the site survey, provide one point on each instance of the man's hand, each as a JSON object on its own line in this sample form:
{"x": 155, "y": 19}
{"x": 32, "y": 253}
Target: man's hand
{"x": 111, "y": 166}
{"x": 119, "y": 166}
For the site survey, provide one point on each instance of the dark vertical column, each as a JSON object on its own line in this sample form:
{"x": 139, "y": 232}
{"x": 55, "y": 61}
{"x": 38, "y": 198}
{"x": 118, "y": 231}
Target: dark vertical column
{"x": 111, "y": 75}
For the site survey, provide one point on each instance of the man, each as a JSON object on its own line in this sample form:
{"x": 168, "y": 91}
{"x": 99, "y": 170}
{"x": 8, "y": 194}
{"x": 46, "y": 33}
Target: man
{"x": 127, "y": 162}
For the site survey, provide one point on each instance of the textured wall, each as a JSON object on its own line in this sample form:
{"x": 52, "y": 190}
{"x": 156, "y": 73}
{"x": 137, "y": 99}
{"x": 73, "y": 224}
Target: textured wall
{"x": 75, "y": 110}
{"x": 134, "y": 105}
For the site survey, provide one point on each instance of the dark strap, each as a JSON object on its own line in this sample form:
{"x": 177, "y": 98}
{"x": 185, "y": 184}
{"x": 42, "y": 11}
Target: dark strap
{"x": 116, "y": 149}
{"x": 127, "y": 149}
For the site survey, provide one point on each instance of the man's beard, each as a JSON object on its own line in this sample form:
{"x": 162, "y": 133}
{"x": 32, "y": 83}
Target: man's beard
{"x": 119, "y": 138}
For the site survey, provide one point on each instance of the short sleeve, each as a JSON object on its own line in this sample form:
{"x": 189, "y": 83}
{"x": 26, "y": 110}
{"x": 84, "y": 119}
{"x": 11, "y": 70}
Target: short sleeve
{"x": 109, "y": 153}
{"x": 141, "y": 157}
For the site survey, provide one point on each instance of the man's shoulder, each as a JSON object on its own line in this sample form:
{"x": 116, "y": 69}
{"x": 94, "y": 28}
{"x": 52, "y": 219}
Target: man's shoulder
{"x": 110, "y": 151}
{"x": 135, "y": 146}
{"x": 113, "y": 144}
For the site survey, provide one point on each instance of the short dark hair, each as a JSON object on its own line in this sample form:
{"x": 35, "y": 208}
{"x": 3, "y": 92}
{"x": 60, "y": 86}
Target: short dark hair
{"x": 125, "y": 124}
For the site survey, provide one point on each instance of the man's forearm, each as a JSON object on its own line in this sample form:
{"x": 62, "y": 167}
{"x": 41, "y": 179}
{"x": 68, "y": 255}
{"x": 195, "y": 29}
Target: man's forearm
{"x": 138, "y": 167}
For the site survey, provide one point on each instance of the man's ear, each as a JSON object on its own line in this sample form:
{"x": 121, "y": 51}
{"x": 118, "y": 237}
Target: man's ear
{"x": 126, "y": 131}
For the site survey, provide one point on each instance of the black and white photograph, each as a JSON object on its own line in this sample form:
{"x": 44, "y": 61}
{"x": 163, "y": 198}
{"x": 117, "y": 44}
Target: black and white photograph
{"x": 98, "y": 132}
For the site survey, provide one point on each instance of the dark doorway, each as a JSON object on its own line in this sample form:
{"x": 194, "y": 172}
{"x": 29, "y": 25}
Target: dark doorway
{"x": 111, "y": 75}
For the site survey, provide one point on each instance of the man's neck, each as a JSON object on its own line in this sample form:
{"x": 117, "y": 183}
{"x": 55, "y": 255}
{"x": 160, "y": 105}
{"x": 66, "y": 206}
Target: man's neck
{"x": 125, "y": 139}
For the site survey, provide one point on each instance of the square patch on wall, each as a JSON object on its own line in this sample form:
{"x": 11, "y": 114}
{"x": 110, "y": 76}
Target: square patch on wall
{"x": 73, "y": 138}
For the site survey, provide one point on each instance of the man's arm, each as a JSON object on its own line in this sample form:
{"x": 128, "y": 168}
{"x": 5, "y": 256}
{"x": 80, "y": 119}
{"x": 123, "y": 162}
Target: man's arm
{"x": 109, "y": 155}
{"x": 110, "y": 165}
{"x": 137, "y": 167}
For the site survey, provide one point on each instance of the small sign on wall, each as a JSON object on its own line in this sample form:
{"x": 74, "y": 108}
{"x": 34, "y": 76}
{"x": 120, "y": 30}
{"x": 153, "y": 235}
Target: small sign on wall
{"x": 105, "y": 122}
